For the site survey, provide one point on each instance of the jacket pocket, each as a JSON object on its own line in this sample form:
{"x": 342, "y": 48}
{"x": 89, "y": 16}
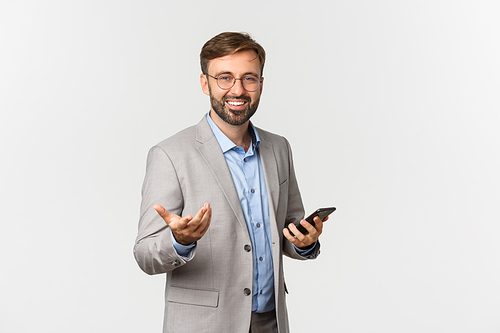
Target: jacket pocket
{"x": 199, "y": 297}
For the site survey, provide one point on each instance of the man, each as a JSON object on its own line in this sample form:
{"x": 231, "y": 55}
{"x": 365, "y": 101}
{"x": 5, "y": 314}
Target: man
{"x": 216, "y": 199}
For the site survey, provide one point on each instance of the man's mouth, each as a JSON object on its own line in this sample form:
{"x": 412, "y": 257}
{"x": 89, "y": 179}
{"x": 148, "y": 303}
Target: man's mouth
{"x": 238, "y": 103}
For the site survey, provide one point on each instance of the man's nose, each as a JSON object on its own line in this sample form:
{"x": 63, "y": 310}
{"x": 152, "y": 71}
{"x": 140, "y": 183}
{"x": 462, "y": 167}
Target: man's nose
{"x": 238, "y": 88}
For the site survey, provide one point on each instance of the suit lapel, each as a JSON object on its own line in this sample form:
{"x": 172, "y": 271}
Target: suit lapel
{"x": 270, "y": 168}
{"x": 210, "y": 151}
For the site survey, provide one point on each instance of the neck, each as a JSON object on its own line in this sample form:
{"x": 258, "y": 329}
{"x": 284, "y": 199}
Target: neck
{"x": 238, "y": 134}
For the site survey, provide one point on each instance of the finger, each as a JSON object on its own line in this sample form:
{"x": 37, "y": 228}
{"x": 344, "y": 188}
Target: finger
{"x": 166, "y": 216}
{"x": 204, "y": 219}
{"x": 207, "y": 218}
{"x": 308, "y": 226}
{"x": 318, "y": 225}
{"x": 289, "y": 236}
{"x": 181, "y": 223}
{"x": 172, "y": 220}
{"x": 205, "y": 222}
{"x": 294, "y": 240}
{"x": 195, "y": 222}
{"x": 297, "y": 234}
{"x": 210, "y": 213}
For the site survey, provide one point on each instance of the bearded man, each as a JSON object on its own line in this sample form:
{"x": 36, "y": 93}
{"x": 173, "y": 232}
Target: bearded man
{"x": 216, "y": 199}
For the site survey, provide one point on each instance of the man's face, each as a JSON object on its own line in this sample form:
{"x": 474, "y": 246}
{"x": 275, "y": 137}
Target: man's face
{"x": 236, "y": 105}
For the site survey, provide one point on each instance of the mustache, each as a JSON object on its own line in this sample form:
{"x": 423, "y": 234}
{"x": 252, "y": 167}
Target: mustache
{"x": 244, "y": 98}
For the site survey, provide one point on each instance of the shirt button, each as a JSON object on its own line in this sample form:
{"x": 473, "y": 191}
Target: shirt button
{"x": 252, "y": 190}
{"x": 245, "y": 159}
{"x": 261, "y": 258}
{"x": 247, "y": 248}
{"x": 246, "y": 291}
{"x": 236, "y": 148}
{"x": 258, "y": 225}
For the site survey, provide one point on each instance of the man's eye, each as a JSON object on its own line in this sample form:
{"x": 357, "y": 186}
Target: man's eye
{"x": 225, "y": 77}
{"x": 251, "y": 79}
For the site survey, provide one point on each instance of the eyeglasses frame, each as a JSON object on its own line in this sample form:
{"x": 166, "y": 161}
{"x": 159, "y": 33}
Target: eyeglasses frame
{"x": 234, "y": 82}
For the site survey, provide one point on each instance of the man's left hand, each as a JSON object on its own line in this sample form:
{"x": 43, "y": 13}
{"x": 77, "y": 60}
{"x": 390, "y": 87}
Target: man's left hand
{"x": 300, "y": 240}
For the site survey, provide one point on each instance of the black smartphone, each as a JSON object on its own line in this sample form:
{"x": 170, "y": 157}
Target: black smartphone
{"x": 320, "y": 212}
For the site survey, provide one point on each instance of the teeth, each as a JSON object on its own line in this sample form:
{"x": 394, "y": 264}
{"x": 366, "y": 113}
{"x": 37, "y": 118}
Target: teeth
{"x": 236, "y": 103}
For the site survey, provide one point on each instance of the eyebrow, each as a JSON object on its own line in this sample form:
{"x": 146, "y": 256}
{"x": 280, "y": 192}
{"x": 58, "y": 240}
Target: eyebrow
{"x": 244, "y": 74}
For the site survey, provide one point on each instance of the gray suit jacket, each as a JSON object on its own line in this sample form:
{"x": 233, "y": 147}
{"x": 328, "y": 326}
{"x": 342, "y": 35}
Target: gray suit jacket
{"x": 206, "y": 292}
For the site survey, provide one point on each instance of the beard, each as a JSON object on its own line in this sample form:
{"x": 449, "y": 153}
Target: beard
{"x": 234, "y": 117}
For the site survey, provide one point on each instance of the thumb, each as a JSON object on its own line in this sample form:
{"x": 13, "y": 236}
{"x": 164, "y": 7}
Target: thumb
{"x": 166, "y": 216}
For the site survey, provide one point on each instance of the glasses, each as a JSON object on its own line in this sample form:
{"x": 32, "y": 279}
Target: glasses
{"x": 226, "y": 81}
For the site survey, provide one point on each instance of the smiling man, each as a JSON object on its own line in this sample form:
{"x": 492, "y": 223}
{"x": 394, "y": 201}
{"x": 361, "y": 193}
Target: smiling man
{"x": 215, "y": 202}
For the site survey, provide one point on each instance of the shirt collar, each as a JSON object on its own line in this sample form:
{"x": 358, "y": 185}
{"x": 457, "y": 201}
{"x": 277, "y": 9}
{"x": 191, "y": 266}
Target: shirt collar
{"x": 225, "y": 143}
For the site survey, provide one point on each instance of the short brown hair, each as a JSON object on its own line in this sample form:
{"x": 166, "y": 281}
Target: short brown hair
{"x": 227, "y": 43}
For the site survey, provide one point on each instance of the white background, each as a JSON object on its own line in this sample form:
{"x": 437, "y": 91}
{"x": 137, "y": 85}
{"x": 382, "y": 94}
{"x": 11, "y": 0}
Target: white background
{"x": 392, "y": 109}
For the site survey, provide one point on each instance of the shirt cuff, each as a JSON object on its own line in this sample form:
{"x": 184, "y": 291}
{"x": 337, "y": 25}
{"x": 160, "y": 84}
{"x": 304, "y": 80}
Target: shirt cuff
{"x": 185, "y": 251}
{"x": 308, "y": 253}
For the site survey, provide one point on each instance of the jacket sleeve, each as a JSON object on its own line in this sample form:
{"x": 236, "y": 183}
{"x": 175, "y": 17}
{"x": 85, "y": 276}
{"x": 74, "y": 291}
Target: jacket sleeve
{"x": 295, "y": 212}
{"x": 153, "y": 249}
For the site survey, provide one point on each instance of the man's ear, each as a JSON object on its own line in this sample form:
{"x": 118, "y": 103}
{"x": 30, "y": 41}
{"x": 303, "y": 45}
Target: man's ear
{"x": 204, "y": 84}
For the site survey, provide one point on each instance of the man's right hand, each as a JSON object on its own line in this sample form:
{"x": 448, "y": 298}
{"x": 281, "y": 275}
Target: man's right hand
{"x": 188, "y": 229}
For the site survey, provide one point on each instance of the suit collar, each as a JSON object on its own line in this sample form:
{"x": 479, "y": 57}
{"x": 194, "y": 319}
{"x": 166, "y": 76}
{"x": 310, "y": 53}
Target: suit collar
{"x": 224, "y": 142}
{"x": 203, "y": 131}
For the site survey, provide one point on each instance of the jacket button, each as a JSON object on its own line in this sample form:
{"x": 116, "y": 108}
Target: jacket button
{"x": 246, "y": 291}
{"x": 248, "y": 248}
{"x": 176, "y": 263}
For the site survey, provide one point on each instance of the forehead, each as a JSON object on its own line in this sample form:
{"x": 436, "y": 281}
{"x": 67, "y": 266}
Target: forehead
{"x": 241, "y": 62}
